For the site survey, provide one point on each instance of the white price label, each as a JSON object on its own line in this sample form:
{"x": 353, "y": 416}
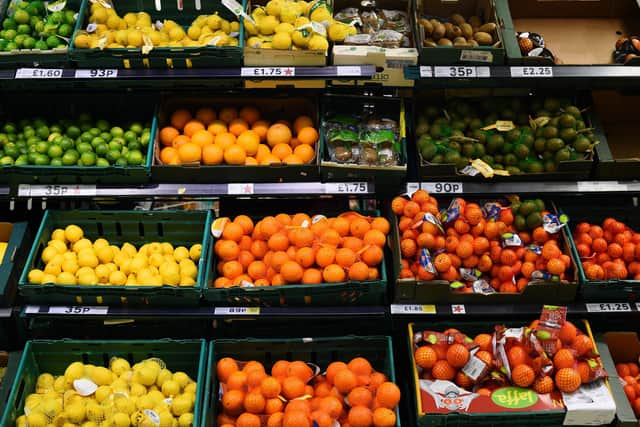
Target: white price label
{"x": 268, "y": 72}
{"x": 237, "y": 310}
{"x": 97, "y": 74}
{"x": 39, "y": 73}
{"x": 458, "y": 309}
{"x": 89, "y": 310}
{"x": 346, "y": 188}
{"x": 606, "y": 307}
{"x": 56, "y": 190}
{"x": 462, "y": 72}
{"x": 442, "y": 187}
{"x": 240, "y": 188}
{"x": 426, "y": 72}
{"x": 349, "y": 70}
{"x": 531, "y": 71}
{"x": 413, "y": 309}
{"x": 589, "y": 186}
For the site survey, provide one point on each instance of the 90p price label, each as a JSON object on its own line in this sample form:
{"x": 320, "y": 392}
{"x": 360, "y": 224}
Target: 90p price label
{"x": 443, "y": 187}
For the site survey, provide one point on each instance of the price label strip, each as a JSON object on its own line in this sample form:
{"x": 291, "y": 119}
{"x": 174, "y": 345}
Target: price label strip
{"x": 346, "y": 188}
{"x": 462, "y": 72}
{"x": 243, "y": 311}
{"x": 348, "y": 70}
{"x": 240, "y": 189}
{"x": 591, "y": 186}
{"x": 426, "y": 72}
{"x": 76, "y": 309}
{"x": 443, "y": 187}
{"x": 97, "y": 74}
{"x": 608, "y": 307}
{"x": 412, "y": 309}
{"x": 281, "y": 72}
{"x": 523, "y": 72}
{"x": 39, "y": 73}
{"x": 26, "y": 190}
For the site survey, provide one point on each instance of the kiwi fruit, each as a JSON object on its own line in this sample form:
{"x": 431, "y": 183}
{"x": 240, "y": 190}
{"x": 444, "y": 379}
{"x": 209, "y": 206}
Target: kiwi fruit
{"x": 483, "y": 39}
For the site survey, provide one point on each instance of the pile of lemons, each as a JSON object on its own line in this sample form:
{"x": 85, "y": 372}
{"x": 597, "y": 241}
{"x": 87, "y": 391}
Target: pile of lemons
{"x": 136, "y": 30}
{"x": 290, "y": 24}
{"x": 145, "y": 395}
{"x": 71, "y": 259}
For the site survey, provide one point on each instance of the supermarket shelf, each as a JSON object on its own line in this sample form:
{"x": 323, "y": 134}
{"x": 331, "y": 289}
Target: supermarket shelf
{"x": 200, "y": 312}
{"x": 510, "y": 310}
{"x": 526, "y": 187}
{"x": 197, "y": 190}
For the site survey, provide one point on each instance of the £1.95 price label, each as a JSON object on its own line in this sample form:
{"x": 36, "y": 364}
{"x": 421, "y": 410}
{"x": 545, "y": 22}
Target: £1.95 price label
{"x": 608, "y": 307}
{"x": 283, "y": 72}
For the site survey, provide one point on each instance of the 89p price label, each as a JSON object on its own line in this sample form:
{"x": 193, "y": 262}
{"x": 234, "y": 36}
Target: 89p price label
{"x": 268, "y": 72}
{"x": 442, "y": 187}
{"x": 39, "y": 73}
{"x": 97, "y": 74}
{"x": 608, "y": 307}
{"x": 531, "y": 72}
{"x": 237, "y": 310}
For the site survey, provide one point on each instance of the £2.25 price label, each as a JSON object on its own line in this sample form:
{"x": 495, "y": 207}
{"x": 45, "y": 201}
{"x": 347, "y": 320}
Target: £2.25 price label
{"x": 283, "y": 72}
{"x": 531, "y": 72}
{"x": 608, "y": 307}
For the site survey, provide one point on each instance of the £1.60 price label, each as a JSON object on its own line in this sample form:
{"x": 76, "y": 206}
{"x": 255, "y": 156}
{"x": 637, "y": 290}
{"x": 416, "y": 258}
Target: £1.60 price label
{"x": 531, "y": 71}
{"x": 222, "y": 311}
{"x": 442, "y": 187}
{"x": 607, "y": 307}
{"x": 97, "y": 74}
{"x": 283, "y": 72}
{"x": 39, "y": 73}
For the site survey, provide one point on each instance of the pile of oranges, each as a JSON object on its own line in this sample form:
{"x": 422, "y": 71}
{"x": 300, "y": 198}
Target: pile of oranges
{"x": 353, "y": 394}
{"x": 286, "y": 249}
{"x": 629, "y": 373}
{"x": 610, "y": 251}
{"x": 236, "y": 137}
{"x": 474, "y": 243}
{"x": 570, "y": 362}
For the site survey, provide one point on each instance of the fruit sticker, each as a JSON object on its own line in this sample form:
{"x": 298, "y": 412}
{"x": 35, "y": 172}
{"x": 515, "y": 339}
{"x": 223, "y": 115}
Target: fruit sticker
{"x": 514, "y": 397}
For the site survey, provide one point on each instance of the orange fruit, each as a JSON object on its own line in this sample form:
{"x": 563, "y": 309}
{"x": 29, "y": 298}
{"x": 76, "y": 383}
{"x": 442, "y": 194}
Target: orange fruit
{"x": 312, "y": 276}
{"x": 169, "y": 156}
{"x": 302, "y": 122}
{"x": 202, "y": 138}
{"x": 292, "y": 387}
{"x": 168, "y": 134}
{"x": 192, "y": 127}
{"x": 216, "y": 127}
{"x": 425, "y": 357}
{"x": 270, "y": 159}
{"x": 179, "y": 118}
{"x": 345, "y": 257}
{"x": 360, "y": 396}
{"x": 232, "y": 269}
{"x": 457, "y": 355}
{"x": 249, "y": 114}
{"x": 237, "y": 126}
{"x": 227, "y": 114}
{"x": 301, "y": 370}
{"x": 585, "y": 371}
{"x": 263, "y": 151}
{"x": 384, "y": 417}
{"x": 325, "y": 256}
{"x": 232, "y": 401}
{"x": 249, "y": 140}
{"x": 563, "y": 359}
{"x": 360, "y": 366}
{"x": 372, "y": 256}
{"x": 180, "y": 140}
{"x": 523, "y": 375}
{"x": 333, "y": 273}
{"x": 189, "y": 153}
{"x": 442, "y": 262}
{"x": 555, "y": 266}
{"x": 582, "y": 344}
{"x": 205, "y": 115}
{"x": 517, "y": 356}
{"x": 295, "y": 419}
{"x": 248, "y": 420}
{"x": 257, "y": 270}
{"x": 359, "y": 271}
{"x": 225, "y": 140}
{"x": 331, "y": 405}
{"x": 274, "y": 406}
{"x": 232, "y": 231}
{"x": 281, "y": 151}
{"x": 305, "y": 257}
{"x": 227, "y": 250}
{"x": 278, "y": 134}
{"x": 359, "y": 227}
{"x": 212, "y": 154}
{"x": 225, "y": 367}
{"x": 308, "y": 135}
{"x": 237, "y": 381}
{"x": 291, "y": 272}
{"x": 234, "y": 155}
{"x": 360, "y": 416}
{"x": 568, "y": 380}
{"x": 261, "y": 127}
{"x": 484, "y": 341}
{"x": 375, "y": 237}
{"x": 543, "y": 385}
{"x": 443, "y": 371}
{"x": 254, "y": 402}
{"x": 345, "y": 381}
{"x": 388, "y": 395}
{"x": 292, "y": 159}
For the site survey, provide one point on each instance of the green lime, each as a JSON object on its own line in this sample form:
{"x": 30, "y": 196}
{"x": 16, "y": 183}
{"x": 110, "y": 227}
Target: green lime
{"x": 85, "y": 127}
{"x": 53, "y": 42}
{"x": 11, "y": 46}
{"x": 29, "y": 43}
{"x": 29, "y": 132}
{"x": 9, "y": 127}
{"x": 145, "y": 138}
{"x": 102, "y": 162}
{"x": 66, "y": 144}
{"x": 115, "y": 145}
{"x": 88, "y": 158}
{"x": 56, "y": 18}
{"x": 135, "y": 145}
{"x": 122, "y": 161}
{"x": 116, "y": 131}
{"x": 54, "y": 151}
{"x": 106, "y": 136}
{"x": 31, "y": 157}
{"x": 9, "y": 24}
{"x": 130, "y": 136}
{"x": 21, "y": 16}
{"x": 69, "y": 17}
{"x": 70, "y": 158}
{"x": 136, "y": 127}
{"x": 56, "y": 129}
{"x": 103, "y": 125}
{"x": 73, "y": 132}
{"x": 42, "y": 160}
{"x": 86, "y": 137}
{"x": 65, "y": 30}
{"x": 42, "y": 132}
{"x": 113, "y": 155}
{"x": 95, "y": 131}
{"x": 97, "y": 141}
{"x": 3, "y": 43}
{"x": 102, "y": 149}
{"x": 24, "y": 29}
{"x": 33, "y": 11}
{"x": 84, "y": 147}
{"x": 134, "y": 158}
{"x": 534, "y": 220}
{"x": 11, "y": 150}
{"x": 539, "y": 205}
{"x": 6, "y": 161}
{"x": 22, "y": 160}
{"x": 10, "y": 34}
{"x": 38, "y": 28}
{"x": 56, "y": 162}
{"x": 34, "y": 20}
{"x": 19, "y": 40}
{"x": 3, "y": 138}
{"x": 520, "y": 223}
{"x": 42, "y": 147}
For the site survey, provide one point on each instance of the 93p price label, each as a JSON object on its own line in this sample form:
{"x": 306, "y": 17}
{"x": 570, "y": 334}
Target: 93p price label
{"x": 97, "y": 74}
{"x": 248, "y": 311}
{"x": 39, "y": 73}
{"x": 347, "y": 188}
{"x": 443, "y": 187}
{"x": 268, "y": 72}
{"x": 609, "y": 307}
{"x": 531, "y": 71}
{"x": 412, "y": 309}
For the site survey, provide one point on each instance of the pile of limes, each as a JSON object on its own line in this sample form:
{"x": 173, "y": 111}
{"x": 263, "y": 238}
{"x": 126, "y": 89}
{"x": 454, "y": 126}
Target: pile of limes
{"x": 81, "y": 142}
{"x": 35, "y": 25}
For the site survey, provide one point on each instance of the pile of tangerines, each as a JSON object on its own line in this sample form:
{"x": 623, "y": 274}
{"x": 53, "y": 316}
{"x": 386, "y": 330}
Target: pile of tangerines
{"x": 236, "y": 137}
{"x": 610, "y": 251}
{"x": 472, "y": 242}
{"x": 353, "y": 394}
{"x": 629, "y": 374}
{"x": 293, "y": 249}
{"x": 564, "y": 365}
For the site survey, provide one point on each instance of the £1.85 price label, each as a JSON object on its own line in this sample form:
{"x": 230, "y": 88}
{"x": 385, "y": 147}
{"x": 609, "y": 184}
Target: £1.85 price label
{"x": 283, "y": 72}
{"x": 39, "y": 73}
{"x": 412, "y": 309}
{"x": 608, "y": 307}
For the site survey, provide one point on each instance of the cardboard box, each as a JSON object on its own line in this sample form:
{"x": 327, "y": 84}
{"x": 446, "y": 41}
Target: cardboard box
{"x": 619, "y": 347}
{"x": 496, "y": 11}
{"x": 575, "y": 31}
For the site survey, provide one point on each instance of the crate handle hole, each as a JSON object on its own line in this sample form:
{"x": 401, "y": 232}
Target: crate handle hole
{"x": 100, "y": 229}
{"x": 160, "y": 230}
{"x": 141, "y": 229}
{"x": 118, "y": 229}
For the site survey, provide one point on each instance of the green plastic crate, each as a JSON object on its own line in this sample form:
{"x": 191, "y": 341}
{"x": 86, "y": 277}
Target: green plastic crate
{"x": 320, "y": 351}
{"x": 110, "y": 107}
{"x": 137, "y": 227}
{"x": 369, "y": 292}
{"x": 163, "y": 57}
{"x": 189, "y": 356}
{"x": 13, "y": 260}
{"x": 36, "y": 57}
{"x": 9, "y": 361}
{"x": 454, "y": 419}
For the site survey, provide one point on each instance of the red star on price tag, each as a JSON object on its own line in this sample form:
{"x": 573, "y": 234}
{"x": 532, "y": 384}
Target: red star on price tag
{"x": 458, "y": 309}
{"x": 288, "y": 71}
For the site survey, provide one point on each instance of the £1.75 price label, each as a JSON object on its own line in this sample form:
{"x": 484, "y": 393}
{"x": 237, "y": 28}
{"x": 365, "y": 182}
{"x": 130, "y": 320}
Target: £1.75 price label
{"x": 346, "y": 188}
{"x": 282, "y": 72}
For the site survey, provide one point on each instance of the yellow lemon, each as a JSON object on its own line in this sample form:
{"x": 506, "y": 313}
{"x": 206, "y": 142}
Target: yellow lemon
{"x": 87, "y": 258}
{"x": 163, "y": 376}
{"x": 134, "y": 38}
{"x": 145, "y": 276}
{"x": 318, "y": 43}
{"x": 48, "y": 278}
{"x": 103, "y": 392}
{"x": 181, "y": 253}
{"x": 71, "y": 256}
{"x": 267, "y": 25}
{"x": 284, "y": 27}
{"x": 99, "y": 16}
{"x": 176, "y": 34}
{"x": 102, "y": 272}
{"x": 156, "y": 260}
{"x": 195, "y": 251}
{"x": 181, "y": 404}
{"x": 167, "y": 248}
{"x": 88, "y": 279}
{"x": 188, "y": 268}
{"x": 138, "y": 263}
{"x": 301, "y": 38}
{"x": 48, "y": 253}
{"x": 281, "y": 41}
{"x": 74, "y": 371}
{"x": 129, "y": 249}
{"x": 250, "y": 28}
{"x": 59, "y": 245}
{"x": 81, "y": 244}
{"x": 186, "y": 281}
{"x": 194, "y": 32}
{"x": 105, "y": 254}
{"x": 117, "y": 278}
{"x": 112, "y": 267}
{"x": 59, "y": 233}
{"x": 121, "y": 419}
{"x": 185, "y": 420}
{"x": 100, "y": 243}
{"x": 53, "y": 269}
{"x": 70, "y": 266}
{"x": 66, "y": 278}
{"x": 75, "y": 412}
{"x": 36, "y": 419}
{"x": 131, "y": 280}
{"x": 274, "y": 7}
{"x": 35, "y": 276}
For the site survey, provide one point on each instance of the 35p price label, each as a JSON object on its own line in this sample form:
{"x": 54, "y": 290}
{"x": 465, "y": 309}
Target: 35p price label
{"x": 462, "y": 72}
{"x": 81, "y": 310}
{"x": 56, "y": 190}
